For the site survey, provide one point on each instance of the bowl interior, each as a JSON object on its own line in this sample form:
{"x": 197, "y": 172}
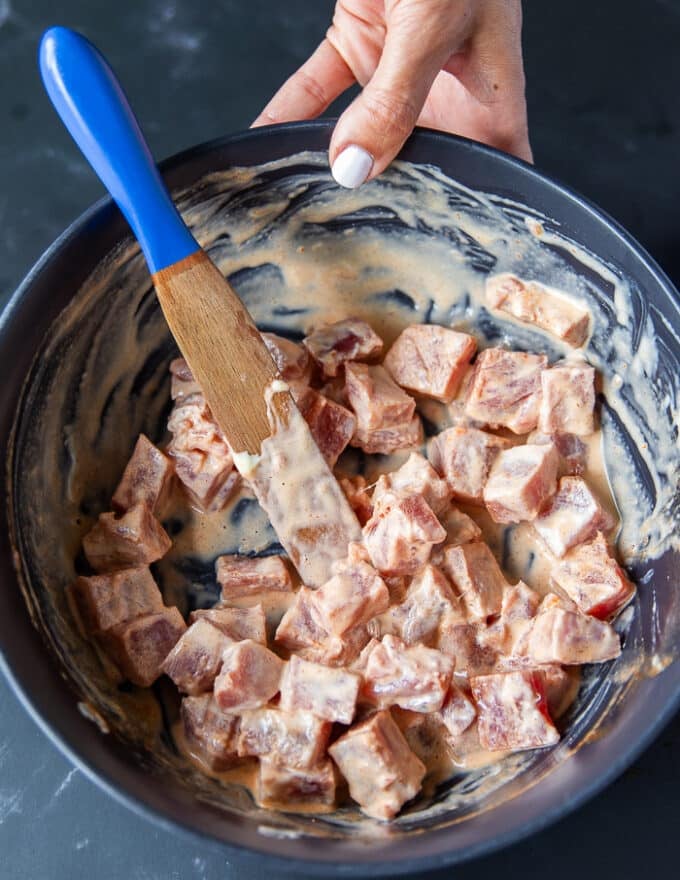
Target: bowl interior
{"x": 414, "y": 246}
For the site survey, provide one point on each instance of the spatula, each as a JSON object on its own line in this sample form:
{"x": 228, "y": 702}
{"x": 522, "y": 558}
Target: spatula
{"x": 273, "y": 447}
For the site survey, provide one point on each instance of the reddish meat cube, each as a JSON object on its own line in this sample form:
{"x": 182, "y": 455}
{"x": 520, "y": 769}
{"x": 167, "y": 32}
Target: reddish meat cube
{"x": 467, "y": 644}
{"x": 348, "y": 340}
{"x": 249, "y": 676}
{"x": 105, "y": 600}
{"x": 325, "y": 692}
{"x": 569, "y": 637}
{"x": 401, "y": 533}
{"x": 115, "y": 542}
{"x": 573, "y": 516}
{"x": 359, "y": 499}
{"x": 291, "y": 358}
{"x": 428, "y": 598}
{"x": 508, "y": 635}
{"x": 591, "y": 576}
{"x": 289, "y": 789}
{"x": 561, "y": 687}
{"x": 351, "y": 597}
{"x": 210, "y": 733}
{"x": 473, "y": 570}
{"x": 512, "y": 711}
{"x": 567, "y": 400}
{"x": 139, "y": 647}
{"x": 251, "y": 575}
{"x": 202, "y": 458}
{"x": 196, "y": 659}
{"x": 332, "y": 425}
{"x": 464, "y": 456}
{"x": 338, "y": 651}
{"x": 384, "y": 441}
{"x": 290, "y": 739}
{"x": 236, "y": 623}
{"x": 429, "y": 359}
{"x": 376, "y": 399}
{"x": 411, "y": 676}
{"x": 458, "y": 712}
{"x": 570, "y": 449}
{"x": 460, "y": 528}
{"x": 380, "y": 769}
{"x": 146, "y": 478}
{"x": 300, "y": 626}
{"x": 532, "y": 303}
{"x": 520, "y": 483}
{"x": 359, "y": 663}
{"x": 416, "y": 477}
{"x": 182, "y": 382}
{"x": 505, "y": 389}
{"x": 426, "y": 736}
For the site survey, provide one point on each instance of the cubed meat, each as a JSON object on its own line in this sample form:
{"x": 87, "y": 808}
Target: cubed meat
{"x": 210, "y": 734}
{"x": 337, "y": 651}
{"x": 351, "y": 597}
{"x": 380, "y": 769}
{"x": 290, "y": 789}
{"x": 332, "y": 425}
{"x": 567, "y": 400}
{"x": 202, "y": 459}
{"x": 426, "y": 736}
{"x": 105, "y": 600}
{"x": 508, "y": 635}
{"x": 416, "y": 477}
{"x": 460, "y": 528}
{"x": 249, "y": 676}
{"x": 300, "y": 626}
{"x": 401, "y": 533}
{"x": 512, "y": 711}
{"x": 464, "y": 456}
{"x": 139, "y": 647}
{"x": 591, "y": 576}
{"x": 251, "y": 575}
{"x": 196, "y": 659}
{"x": 384, "y": 441}
{"x": 411, "y": 676}
{"x": 134, "y": 539}
{"x": 376, "y": 399}
{"x": 521, "y": 481}
{"x": 358, "y": 497}
{"x": 359, "y": 663}
{"x": 291, "y": 739}
{"x": 533, "y": 303}
{"x": 236, "y": 623}
{"x": 430, "y": 360}
{"x": 291, "y": 358}
{"x": 333, "y": 345}
{"x": 182, "y": 382}
{"x": 505, "y": 389}
{"x": 327, "y": 693}
{"x": 146, "y": 478}
{"x": 573, "y": 516}
{"x": 467, "y": 644}
{"x": 428, "y": 599}
{"x": 569, "y": 637}
{"x": 477, "y": 577}
{"x": 458, "y": 712}
{"x": 570, "y": 449}
{"x": 561, "y": 687}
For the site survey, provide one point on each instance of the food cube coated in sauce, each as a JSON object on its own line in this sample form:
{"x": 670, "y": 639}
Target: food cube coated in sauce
{"x": 328, "y": 693}
{"x": 416, "y": 477}
{"x": 249, "y": 676}
{"x": 133, "y": 539}
{"x": 567, "y": 400}
{"x": 196, "y": 659}
{"x": 512, "y": 711}
{"x": 561, "y": 636}
{"x": 146, "y": 478}
{"x": 351, "y": 597}
{"x": 464, "y": 456}
{"x": 291, "y": 358}
{"x": 573, "y": 516}
{"x": 476, "y": 576}
{"x": 236, "y": 623}
{"x": 140, "y": 646}
{"x": 417, "y": 617}
{"x": 250, "y": 575}
{"x": 292, "y": 739}
{"x": 106, "y": 600}
{"x": 411, "y": 676}
{"x": 333, "y": 345}
{"x": 331, "y": 424}
{"x": 521, "y": 481}
{"x": 210, "y": 733}
{"x": 288, "y": 788}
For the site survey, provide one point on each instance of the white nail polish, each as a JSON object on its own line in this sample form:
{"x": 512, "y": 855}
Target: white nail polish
{"x": 352, "y": 166}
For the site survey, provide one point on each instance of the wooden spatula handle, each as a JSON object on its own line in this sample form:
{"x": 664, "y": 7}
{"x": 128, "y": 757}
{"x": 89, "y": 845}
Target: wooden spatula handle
{"x": 212, "y": 327}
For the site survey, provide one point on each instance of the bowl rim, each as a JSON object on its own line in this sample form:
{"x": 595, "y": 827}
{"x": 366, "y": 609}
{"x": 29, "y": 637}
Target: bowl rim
{"x": 320, "y": 130}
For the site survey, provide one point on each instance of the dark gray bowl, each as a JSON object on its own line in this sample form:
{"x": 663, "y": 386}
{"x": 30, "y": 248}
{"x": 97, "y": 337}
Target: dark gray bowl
{"x": 82, "y": 344}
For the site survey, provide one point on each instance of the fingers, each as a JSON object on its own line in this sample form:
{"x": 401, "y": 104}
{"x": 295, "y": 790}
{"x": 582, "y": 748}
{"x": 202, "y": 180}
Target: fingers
{"x": 372, "y": 130}
{"x": 309, "y": 91}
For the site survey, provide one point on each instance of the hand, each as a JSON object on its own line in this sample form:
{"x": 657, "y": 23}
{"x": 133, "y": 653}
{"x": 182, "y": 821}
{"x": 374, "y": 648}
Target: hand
{"x": 453, "y": 65}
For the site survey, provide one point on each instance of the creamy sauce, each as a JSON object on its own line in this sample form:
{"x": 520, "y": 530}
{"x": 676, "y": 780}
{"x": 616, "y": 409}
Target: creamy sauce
{"x": 411, "y": 246}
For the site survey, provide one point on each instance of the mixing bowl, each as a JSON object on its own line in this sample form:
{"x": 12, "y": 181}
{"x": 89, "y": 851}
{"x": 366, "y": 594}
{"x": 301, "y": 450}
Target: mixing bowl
{"x": 85, "y": 353}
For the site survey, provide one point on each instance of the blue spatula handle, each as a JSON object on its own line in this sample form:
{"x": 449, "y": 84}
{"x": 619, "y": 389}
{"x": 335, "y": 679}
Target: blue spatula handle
{"x": 93, "y": 107}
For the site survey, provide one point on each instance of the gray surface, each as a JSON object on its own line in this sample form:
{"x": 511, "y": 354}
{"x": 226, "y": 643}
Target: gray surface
{"x": 605, "y": 117}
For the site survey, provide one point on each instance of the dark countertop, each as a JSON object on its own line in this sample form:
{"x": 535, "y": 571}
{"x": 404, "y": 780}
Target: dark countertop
{"x": 605, "y": 117}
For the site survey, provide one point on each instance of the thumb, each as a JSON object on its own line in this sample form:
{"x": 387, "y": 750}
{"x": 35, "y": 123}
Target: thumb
{"x": 373, "y": 129}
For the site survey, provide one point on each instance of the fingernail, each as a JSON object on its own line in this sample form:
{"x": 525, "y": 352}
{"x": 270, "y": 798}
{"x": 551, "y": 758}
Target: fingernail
{"x": 352, "y": 166}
